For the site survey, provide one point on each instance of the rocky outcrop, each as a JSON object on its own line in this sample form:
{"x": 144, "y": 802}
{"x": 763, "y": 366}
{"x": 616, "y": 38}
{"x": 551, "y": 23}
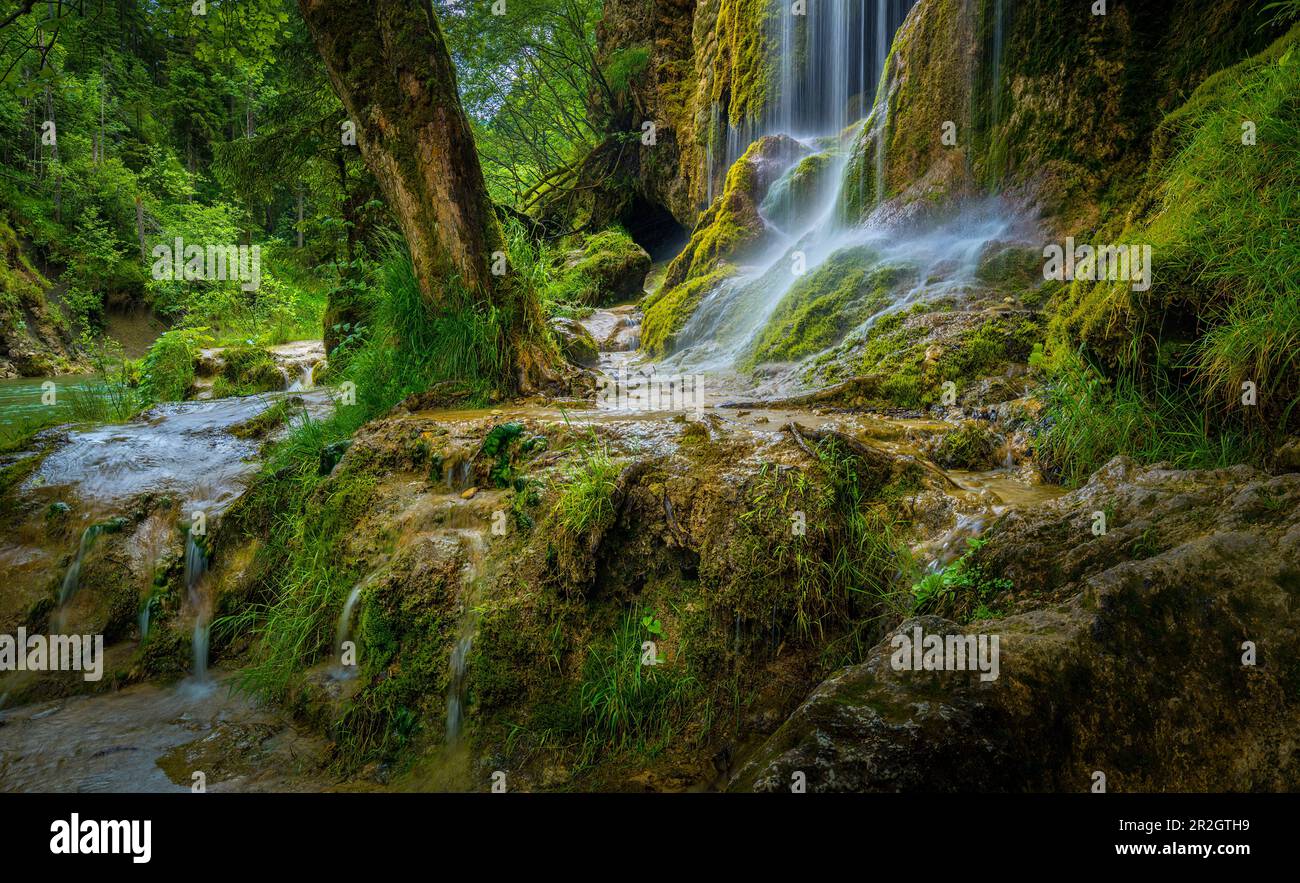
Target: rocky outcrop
{"x": 692, "y": 70}
{"x": 730, "y": 231}
{"x": 608, "y": 268}
{"x": 34, "y": 338}
{"x": 1053, "y": 105}
{"x": 1160, "y": 654}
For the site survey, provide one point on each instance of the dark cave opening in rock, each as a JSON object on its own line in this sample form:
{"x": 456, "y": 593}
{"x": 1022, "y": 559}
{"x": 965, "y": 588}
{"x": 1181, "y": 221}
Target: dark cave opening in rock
{"x": 654, "y": 228}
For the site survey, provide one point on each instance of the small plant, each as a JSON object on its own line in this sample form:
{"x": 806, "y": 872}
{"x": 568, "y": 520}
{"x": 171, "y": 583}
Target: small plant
{"x": 588, "y": 498}
{"x": 652, "y": 624}
{"x": 964, "y": 585}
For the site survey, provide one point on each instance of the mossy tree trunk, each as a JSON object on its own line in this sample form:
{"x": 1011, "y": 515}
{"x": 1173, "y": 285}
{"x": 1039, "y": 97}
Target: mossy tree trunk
{"x": 389, "y": 64}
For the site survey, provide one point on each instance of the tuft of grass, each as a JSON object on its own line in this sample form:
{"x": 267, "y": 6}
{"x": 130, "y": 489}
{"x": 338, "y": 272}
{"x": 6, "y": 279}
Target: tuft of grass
{"x": 168, "y": 368}
{"x": 587, "y": 500}
{"x": 819, "y": 550}
{"x": 625, "y": 703}
{"x": 1091, "y": 419}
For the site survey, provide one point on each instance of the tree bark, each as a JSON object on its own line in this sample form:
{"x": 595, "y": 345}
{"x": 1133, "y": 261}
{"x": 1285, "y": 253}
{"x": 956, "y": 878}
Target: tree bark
{"x": 389, "y": 64}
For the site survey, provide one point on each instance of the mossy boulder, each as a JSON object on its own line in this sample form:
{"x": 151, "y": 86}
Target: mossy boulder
{"x": 729, "y": 232}
{"x": 794, "y": 198}
{"x": 972, "y": 445}
{"x": 246, "y": 370}
{"x": 732, "y": 227}
{"x": 575, "y": 341}
{"x": 905, "y": 358}
{"x": 609, "y": 268}
{"x": 823, "y": 306}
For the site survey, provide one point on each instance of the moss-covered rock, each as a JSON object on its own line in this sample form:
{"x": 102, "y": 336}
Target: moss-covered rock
{"x": 794, "y": 198}
{"x": 575, "y": 341}
{"x": 732, "y": 226}
{"x": 246, "y": 370}
{"x": 609, "y": 268}
{"x": 667, "y": 312}
{"x": 972, "y": 445}
{"x": 726, "y": 234}
{"x": 905, "y": 358}
{"x": 1056, "y": 121}
{"x": 821, "y": 307}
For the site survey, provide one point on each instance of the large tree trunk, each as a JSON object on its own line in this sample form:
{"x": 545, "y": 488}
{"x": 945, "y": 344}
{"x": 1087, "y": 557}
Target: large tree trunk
{"x": 389, "y": 64}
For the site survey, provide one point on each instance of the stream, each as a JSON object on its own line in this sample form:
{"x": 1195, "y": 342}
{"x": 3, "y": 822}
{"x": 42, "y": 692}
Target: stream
{"x": 149, "y": 736}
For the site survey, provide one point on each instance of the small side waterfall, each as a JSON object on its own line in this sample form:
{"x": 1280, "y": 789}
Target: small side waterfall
{"x": 474, "y": 544}
{"x": 344, "y": 632}
{"x": 196, "y": 565}
{"x": 72, "y": 579}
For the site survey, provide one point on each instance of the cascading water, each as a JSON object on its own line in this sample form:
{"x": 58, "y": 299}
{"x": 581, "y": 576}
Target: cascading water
{"x": 826, "y": 72}
{"x": 829, "y": 67}
{"x": 344, "y": 631}
{"x": 475, "y": 545}
{"x": 72, "y": 579}
{"x": 196, "y": 564}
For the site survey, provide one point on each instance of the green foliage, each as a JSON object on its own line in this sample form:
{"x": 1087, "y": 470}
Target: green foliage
{"x": 1223, "y": 308}
{"x": 1091, "y": 419}
{"x": 625, "y": 704}
{"x": 963, "y": 589}
{"x": 626, "y": 64}
{"x": 168, "y": 367}
{"x": 410, "y": 348}
{"x": 499, "y": 446}
{"x": 536, "y": 95}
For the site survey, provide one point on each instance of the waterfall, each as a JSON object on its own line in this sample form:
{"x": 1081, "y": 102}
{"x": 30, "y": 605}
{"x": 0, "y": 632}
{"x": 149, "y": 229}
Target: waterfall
{"x": 829, "y": 74}
{"x": 196, "y": 564}
{"x": 72, "y": 579}
{"x": 475, "y": 544}
{"x": 344, "y": 631}
{"x": 826, "y": 72}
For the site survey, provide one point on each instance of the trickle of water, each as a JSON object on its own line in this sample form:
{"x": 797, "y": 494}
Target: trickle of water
{"x": 475, "y": 544}
{"x": 196, "y": 564}
{"x": 200, "y": 647}
{"x": 458, "y": 474}
{"x": 344, "y": 632}
{"x": 72, "y": 579}
{"x": 306, "y": 377}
